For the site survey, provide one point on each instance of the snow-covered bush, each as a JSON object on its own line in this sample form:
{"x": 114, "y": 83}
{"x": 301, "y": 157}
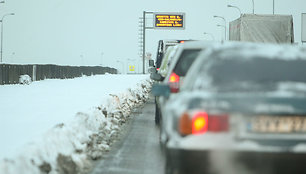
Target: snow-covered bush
{"x": 25, "y": 79}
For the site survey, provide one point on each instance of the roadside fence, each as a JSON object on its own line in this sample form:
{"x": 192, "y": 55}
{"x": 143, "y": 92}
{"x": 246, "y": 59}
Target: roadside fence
{"x": 10, "y": 73}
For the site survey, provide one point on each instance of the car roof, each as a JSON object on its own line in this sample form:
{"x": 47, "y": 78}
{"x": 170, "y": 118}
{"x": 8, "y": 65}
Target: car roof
{"x": 184, "y": 46}
{"x": 196, "y": 44}
{"x": 245, "y": 51}
{"x": 254, "y": 50}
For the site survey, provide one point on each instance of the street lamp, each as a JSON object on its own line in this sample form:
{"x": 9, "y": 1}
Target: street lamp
{"x": 8, "y": 14}
{"x": 211, "y": 35}
{"x": 102, "y": 58}
{"x": 224, "y": 29}
{"x": 253, "y": 6}
{"x": 118, "y": 61}
{"x": 224, "y": 24}
{"x": 273, "y": 6}
{"x": 232, "y": 6}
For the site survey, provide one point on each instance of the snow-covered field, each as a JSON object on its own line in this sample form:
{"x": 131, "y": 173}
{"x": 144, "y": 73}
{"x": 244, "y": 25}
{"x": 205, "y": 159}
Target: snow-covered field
{"x": 54, "y": 126}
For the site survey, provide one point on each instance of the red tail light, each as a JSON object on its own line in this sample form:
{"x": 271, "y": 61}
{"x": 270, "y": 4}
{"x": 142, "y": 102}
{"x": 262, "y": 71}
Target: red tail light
{"x": 174, "y": 78}
{"x": 218, "y": 123}
{"x": 174, "y": 81}
{"x": 157, "y": 69}
{"x": 202, "y": 122}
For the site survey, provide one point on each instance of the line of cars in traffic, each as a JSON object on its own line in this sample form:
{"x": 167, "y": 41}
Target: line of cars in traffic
{"x": 233, "y": 108}
{"x": 175, "y": 64}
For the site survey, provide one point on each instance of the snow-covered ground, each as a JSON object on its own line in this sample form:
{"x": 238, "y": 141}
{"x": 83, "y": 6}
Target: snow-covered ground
{"x": 51, "y": 124}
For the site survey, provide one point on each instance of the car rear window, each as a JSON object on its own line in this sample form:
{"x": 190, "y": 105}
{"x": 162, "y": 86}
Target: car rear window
{"x": 185, "y": 60}
{"x": 257, "y": 73}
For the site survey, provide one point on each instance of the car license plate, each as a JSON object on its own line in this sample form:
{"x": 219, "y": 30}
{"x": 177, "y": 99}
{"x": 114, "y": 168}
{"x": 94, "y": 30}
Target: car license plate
{"x": 278, "y": 124}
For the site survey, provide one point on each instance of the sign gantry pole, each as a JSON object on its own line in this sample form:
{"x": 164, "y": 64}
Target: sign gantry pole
{"x": 143, "y": 41}
{"x": 161, "y": 20}
{"x": 303, "y": 29}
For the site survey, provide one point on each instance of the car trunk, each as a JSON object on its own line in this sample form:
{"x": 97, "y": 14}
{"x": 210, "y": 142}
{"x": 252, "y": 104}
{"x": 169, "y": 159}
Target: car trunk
{"x": 262, "y": 118}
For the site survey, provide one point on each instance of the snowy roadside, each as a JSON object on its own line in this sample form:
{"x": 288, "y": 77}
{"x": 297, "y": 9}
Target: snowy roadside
{"x": 69, "y": 147}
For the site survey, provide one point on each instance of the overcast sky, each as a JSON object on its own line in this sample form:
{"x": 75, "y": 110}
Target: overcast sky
{"x": 88, "y": 32}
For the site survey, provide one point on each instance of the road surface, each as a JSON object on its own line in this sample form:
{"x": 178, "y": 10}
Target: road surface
{"x": 138, "y": 151}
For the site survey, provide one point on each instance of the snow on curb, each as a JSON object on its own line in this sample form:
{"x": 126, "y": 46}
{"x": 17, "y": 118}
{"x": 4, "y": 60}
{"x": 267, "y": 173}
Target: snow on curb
{"x": 69, "y": 148}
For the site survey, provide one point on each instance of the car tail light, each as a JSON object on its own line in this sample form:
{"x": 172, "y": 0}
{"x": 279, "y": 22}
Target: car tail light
{"x": 218, "y": 123}
{"x": 174, "y": 81}
{"x": 157, "y": 69}
{"x": 174, "y": 78}
{"x": 185, "y": 124}
{"x": 202, "y": 122}
{"x": 199, "y": 123}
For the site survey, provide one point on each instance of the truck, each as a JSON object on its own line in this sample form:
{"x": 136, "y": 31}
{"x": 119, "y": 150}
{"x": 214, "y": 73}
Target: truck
{"x": 262, "y": 28}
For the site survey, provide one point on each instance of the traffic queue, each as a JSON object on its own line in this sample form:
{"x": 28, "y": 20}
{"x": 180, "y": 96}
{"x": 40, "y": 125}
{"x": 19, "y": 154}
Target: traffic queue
{"x": 232, "y": 107}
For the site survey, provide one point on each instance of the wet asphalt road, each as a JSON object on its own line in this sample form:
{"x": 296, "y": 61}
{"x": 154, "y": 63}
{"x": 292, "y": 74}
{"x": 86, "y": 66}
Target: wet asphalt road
{"x": 138, "y": 151}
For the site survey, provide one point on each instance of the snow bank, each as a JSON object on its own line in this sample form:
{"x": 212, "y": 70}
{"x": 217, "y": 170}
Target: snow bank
{"x": 69, "y": 147}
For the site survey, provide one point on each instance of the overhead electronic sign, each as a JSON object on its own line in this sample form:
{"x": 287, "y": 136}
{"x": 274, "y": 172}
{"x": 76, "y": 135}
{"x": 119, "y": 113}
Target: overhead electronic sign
{"x": 169, "y": 20}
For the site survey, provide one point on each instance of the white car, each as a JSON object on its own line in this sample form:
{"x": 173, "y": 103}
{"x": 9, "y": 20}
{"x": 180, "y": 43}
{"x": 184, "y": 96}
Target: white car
{"x": 240, "y": 110}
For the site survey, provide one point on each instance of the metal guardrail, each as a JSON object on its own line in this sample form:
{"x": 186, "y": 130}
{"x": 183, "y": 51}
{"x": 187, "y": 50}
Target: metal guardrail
{"x": 10, "y": 73}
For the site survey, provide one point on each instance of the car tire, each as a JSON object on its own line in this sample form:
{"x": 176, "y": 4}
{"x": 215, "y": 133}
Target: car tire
{"x": 168, "y": 167}
{"x": 157, "y": 115}
{"x": 162, "y": 142}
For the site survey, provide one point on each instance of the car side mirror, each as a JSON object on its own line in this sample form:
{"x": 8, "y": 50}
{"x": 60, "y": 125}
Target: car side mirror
{"x": 161, "y": 90}
{"x": 156, "y": 76}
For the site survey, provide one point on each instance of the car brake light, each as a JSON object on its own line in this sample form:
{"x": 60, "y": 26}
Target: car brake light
{"x": 202, "y": 122}
{"x": 174, "y": 80}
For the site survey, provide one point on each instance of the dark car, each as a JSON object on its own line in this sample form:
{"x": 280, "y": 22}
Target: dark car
{"x": 241, "y": 109}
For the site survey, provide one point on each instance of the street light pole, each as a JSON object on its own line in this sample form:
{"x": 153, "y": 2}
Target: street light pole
{"x": 118, "y": 61}
{"x": 212, "y": 36}
{"x": 273, "y": 7}
{"x": 224, "y": 29}
{"x": 102, "y": 58}
{"x": 235, "y": 7}
{"x": 253, "y": 6}
{"x": 224, "y": 24}
{"x": 1, "y": 51}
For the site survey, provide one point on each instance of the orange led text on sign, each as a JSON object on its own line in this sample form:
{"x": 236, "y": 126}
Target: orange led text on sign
{"x": 169, "y": 21}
